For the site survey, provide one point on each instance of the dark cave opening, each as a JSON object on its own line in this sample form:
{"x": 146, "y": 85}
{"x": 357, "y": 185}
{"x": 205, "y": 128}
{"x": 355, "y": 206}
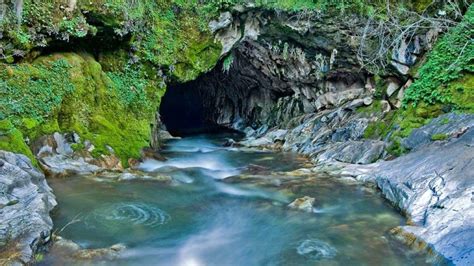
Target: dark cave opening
{"x": 218, "y": 100}
{"x": 183, "y": 112}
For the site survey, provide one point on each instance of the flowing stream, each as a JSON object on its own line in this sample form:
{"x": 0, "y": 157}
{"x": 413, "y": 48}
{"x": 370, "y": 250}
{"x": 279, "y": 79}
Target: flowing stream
{"x": 228, "y": 206}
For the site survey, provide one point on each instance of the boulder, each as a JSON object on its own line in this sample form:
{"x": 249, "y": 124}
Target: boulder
{"x": 225, "y": 19}
{"x": 25, "y": 203}
{"x": 406, "y": 54}
{"x": 149, "y": 153}
{"x": 277, "y": 135}
{"x": 356, "y": 152}
{"x": 73, "y": 253}
{"x": 304, "y": 204}
{"x": 392, "y": 87}
{"x": 434, "y": 186}
{"x": 256, "y": 142}
{"x": 443, "y": 127}
{"x": 58, "y": 159}
{"x": 385, "y": 106}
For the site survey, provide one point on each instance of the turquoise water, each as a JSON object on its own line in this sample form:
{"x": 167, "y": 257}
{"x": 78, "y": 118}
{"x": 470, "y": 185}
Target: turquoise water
{"x": 228, "y": 206}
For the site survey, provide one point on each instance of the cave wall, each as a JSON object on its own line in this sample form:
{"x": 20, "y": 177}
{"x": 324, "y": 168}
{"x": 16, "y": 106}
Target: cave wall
{"x": 275, "y": 71}
{"x": 278, "y": 66}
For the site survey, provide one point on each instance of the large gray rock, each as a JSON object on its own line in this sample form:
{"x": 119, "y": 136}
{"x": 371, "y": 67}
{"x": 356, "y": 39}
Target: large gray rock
{"x": 434, "y": 186}
{"x": 225, "y": 19}
{"x": 25, "y": 203}
{"x": 356, "y": 152}
{"x": 446, "y": 126}
{"x": 58, "y": 159}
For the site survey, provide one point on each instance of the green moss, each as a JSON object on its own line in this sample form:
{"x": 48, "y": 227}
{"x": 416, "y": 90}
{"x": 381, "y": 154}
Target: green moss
{"x": 462, "y": 93}
{"x": 376, "y": 130}
{"x": 78, "y": 146}
{"x": 33, "y": 128}
{"x": 439, "y": 137}
{"x": 375, "y": 107}
{"x": 411, "y": 118}
{"x": 395, "y": 148}
{"x": 11, "y": 139}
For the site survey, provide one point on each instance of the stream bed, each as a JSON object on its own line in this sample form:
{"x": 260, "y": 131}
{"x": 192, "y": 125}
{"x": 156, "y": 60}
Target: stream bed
{"x": 228, "y": 206}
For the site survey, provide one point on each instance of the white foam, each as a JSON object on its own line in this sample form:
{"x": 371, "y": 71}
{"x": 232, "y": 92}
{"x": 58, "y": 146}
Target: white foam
{"x": 243, "y": 192}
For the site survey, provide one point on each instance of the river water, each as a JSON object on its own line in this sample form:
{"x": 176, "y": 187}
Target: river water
{"x": 228, "y": 206}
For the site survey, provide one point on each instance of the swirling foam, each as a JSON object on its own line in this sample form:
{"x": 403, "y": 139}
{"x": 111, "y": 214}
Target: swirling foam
{"x": 130, "y": 213}
{"x": 316, "y": 249}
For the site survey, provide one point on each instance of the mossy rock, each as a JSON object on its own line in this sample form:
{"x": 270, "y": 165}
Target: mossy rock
{"x": 12, "y": 140}
{"x": 114, "y": 113}
{"x": 462, "y": 93}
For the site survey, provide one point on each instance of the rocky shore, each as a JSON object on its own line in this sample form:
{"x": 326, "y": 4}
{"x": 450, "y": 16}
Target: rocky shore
{"x": 433, "y": 184}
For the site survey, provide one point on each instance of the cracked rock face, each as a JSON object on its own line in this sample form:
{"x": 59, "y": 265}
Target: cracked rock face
{"x": 280, "y": 67}
{"x": 435, "y": 186}
{"x": 25, "y": 203}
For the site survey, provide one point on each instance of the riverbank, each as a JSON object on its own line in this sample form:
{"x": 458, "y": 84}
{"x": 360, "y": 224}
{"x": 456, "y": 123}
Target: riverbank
{"x": 432, "y": 185}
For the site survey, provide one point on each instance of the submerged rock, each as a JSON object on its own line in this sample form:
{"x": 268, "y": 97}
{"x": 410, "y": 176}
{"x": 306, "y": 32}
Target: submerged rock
{"x": 131, "y": 175}
{"x": 304, "y": 204}
{"x": 316, "y": 249}
{"x": 25, "y": 203}
{"x": 71, "y": 252}
{"x": 152, "y": 154}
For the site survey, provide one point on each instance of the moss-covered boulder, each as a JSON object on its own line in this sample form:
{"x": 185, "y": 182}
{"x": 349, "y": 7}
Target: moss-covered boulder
{"x": 73, "y": 93}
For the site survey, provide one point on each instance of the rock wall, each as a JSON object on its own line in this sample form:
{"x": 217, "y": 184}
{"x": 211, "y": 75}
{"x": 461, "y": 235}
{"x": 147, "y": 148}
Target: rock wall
{"x": 434, "y": 186}
{"x": 280, "y": 65}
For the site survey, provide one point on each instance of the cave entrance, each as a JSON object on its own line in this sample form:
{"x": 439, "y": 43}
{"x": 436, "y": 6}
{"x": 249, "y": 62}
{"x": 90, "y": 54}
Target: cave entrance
{"x": 214, "y": 102}
{"x": 219, "y": 100}
{"x": 183, "y": 110}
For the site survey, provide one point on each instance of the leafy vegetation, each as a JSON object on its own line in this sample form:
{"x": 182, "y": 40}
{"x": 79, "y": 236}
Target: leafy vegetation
{"x": 33, "y": 90}
{"x": 451, "y": 59}
{"x": 130, "y": 86}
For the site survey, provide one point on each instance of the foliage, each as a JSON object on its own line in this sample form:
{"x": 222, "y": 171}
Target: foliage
{"x": 130, "y": 87}
{"x": 76, "y": 27}
{"x": 68, "y": 92}
{"x": 33, "y": 90}
{"x": 451, "y": 59}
